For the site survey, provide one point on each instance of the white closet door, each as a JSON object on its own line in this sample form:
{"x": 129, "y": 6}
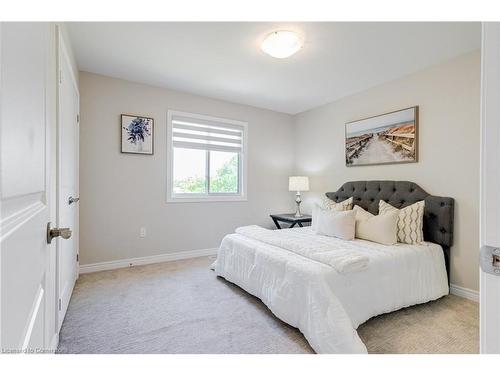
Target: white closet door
{"x": 67, "y": 196}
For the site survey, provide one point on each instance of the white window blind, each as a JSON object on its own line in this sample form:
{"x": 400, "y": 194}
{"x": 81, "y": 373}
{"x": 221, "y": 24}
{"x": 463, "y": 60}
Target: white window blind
{"x": 206, "y": 158}
{"x": 188, "y": 132}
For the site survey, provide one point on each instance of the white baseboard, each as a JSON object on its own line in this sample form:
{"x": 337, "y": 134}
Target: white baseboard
{"x": 460, "y": 291}
{"x": 123, "y": 263}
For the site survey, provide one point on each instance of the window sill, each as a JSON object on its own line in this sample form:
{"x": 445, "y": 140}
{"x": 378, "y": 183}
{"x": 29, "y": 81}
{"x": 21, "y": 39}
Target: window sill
{"x": 223, "y": 198}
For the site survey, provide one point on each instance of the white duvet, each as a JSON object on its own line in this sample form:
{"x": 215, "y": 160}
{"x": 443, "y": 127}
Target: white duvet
{"x": 326, "y": 303}
{"x": 346, "y": 259}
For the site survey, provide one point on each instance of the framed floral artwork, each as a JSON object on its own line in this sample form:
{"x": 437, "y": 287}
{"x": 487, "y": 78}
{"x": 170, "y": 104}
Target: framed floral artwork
{"x": 137, "y": 134}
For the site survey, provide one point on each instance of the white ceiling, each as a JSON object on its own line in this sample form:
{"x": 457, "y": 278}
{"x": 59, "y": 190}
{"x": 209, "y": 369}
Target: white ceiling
{"x": 224, "y": 61}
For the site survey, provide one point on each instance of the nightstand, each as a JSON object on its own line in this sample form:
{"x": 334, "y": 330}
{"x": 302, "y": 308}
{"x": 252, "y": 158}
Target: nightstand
{"x": 291, "y": 219}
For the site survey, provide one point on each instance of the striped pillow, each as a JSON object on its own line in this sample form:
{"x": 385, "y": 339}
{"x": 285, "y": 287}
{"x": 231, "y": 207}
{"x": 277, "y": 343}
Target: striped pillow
{"x": 410, "y": 221}
{"x": 329, "y": 204}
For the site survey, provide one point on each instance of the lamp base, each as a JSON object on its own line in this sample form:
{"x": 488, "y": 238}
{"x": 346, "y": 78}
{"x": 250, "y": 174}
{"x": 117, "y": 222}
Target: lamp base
{"x": 298, "y": 201}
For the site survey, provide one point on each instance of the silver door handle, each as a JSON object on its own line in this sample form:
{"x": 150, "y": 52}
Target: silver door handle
{"x": 73, "y": 200}
{"x": 490, "y": 260}
{"x": 57, "y": 232}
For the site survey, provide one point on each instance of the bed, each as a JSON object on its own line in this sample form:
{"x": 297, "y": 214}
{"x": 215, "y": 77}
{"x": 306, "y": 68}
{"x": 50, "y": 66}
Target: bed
{"x": 327, "y": 301}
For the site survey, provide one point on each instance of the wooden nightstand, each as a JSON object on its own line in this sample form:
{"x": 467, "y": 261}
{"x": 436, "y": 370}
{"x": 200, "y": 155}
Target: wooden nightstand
{"x": 290, "y": 219}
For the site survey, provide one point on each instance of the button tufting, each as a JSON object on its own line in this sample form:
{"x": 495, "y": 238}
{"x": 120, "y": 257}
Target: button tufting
{"x": 442, "y": 204}
{"x": 443, "y": 230}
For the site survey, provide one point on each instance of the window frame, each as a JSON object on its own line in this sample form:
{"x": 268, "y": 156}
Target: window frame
{"x": 241, "y": 195}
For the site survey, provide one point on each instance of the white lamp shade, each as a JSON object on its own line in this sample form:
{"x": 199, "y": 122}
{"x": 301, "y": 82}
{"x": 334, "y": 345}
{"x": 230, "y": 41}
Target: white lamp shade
{"x": 298, "y": 183}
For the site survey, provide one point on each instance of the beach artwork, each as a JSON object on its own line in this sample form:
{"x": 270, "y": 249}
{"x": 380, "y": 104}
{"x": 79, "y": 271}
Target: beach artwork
{"x": 384, "y": 139}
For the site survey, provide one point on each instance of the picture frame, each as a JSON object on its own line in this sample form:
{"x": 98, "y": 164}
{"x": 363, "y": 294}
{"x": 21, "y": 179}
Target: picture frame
{"x": 389, "y": 138}
{"x": 137, "y": 134}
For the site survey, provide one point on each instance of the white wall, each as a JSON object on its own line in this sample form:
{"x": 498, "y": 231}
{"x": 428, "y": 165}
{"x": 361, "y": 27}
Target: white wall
{"x": 121, "y": 192}
{"x": 448, "y": 97}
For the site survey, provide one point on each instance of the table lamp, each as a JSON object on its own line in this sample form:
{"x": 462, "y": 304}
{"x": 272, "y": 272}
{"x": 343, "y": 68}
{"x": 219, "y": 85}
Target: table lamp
{"x": 298, "y": 184}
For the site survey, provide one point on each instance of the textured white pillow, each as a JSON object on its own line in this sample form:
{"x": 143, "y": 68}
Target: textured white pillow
{"x": 410, "y": 221}
{"x": 380, "y": 228}
{"x": 340, "y": 224}
{"x": 345, "y": 205}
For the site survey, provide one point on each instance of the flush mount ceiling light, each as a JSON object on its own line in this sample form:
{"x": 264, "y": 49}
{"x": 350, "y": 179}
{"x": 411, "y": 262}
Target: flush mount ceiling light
{"x": 281, "y": 44}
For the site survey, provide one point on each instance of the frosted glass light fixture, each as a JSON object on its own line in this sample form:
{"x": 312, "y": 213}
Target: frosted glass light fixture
{"x": 281, "y": 44}
{"x": 298, "y": 184}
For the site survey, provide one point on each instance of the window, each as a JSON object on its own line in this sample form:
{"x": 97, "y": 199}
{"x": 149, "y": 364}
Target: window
{"x": 207, "y": 158}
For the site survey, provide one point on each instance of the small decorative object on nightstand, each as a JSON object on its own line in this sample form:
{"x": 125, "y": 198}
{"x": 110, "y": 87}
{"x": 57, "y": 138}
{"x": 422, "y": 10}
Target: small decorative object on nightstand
{"x": 298, "y": 184}
{"x": 291, "y": 219}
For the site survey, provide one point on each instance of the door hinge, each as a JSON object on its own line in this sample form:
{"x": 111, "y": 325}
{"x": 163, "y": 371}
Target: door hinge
{"x": 60, "y": 304}
{"x": 77, "y": 258}
{"x": 60, "y": 76}
{"x": 78, "y": 118}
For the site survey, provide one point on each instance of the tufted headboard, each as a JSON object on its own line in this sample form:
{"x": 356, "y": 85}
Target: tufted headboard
{"x": 438, "y": 212}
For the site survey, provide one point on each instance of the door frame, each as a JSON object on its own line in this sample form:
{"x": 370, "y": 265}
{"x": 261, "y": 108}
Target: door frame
{"x": 63, "y": 56}
{"x": 489, "y": 305}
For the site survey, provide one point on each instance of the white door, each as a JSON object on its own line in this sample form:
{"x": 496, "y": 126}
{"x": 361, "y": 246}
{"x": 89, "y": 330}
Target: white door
{"x": 24, "y": 186}
{"x": 490, "y": 188}
{"x": 67, "y": 196}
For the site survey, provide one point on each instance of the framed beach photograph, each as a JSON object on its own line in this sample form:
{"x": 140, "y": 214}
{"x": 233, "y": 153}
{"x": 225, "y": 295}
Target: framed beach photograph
{"x": 137, "y": 134}
{"x": 384, "y": 139}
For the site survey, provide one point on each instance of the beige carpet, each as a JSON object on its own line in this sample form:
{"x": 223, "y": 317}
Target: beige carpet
{"x": 181, "y": 307}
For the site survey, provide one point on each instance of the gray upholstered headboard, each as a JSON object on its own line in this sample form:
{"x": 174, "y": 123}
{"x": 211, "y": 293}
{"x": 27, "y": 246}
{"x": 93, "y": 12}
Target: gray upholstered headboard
{"x": 438, "y": 212}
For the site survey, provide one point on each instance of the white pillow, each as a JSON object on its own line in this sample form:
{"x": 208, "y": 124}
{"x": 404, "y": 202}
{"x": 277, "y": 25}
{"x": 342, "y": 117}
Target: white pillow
{"x": 410, "y": 221}
{"x": 333, "y": 223}
{"x": 345, "y": 205}
{"x": 380, "y": 228}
